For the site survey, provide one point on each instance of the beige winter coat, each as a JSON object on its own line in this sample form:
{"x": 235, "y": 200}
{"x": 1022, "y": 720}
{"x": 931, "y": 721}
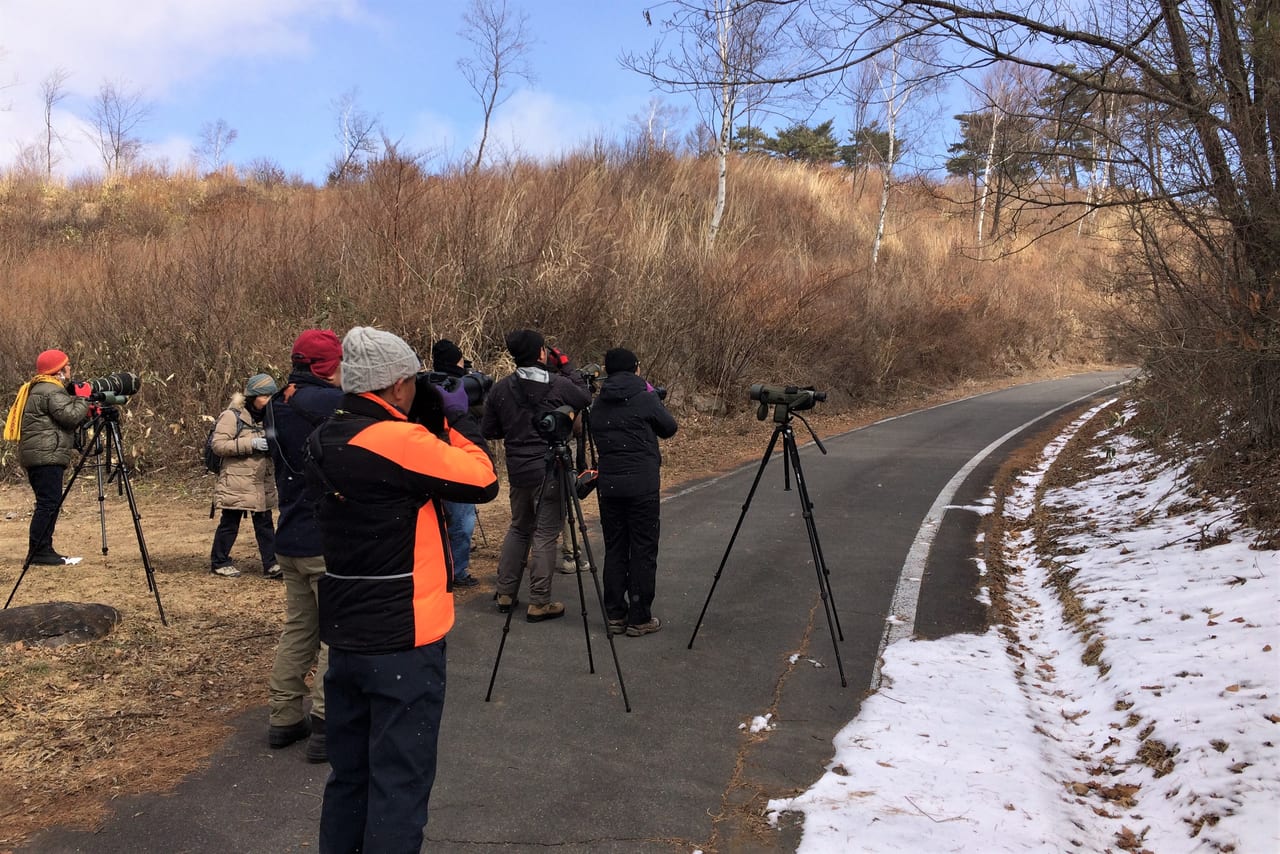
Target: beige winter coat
{"x": 247, "y": 480}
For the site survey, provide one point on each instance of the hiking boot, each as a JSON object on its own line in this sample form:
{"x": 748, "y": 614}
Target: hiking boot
{"x": 505, "y": 602}
{"x": 273, "y": 571}
{"x": 546, "y": 611}
{"x": 317, "y": 748}
{"x": 227, "y": 571}
{"x": 466, "y": 581}
{"x": 617, "y": 627}
{"x": 49, "y": 557}
{"x": 283, "y": 736}
{"x": 644, "y": 628}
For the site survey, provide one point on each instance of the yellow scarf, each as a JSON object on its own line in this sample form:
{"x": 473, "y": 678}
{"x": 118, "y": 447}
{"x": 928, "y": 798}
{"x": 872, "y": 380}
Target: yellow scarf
{"x": 13, "y": 424}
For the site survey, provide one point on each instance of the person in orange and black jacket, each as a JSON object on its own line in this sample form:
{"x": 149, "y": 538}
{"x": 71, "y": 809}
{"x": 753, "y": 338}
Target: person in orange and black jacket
{"x": 386, "y": 600}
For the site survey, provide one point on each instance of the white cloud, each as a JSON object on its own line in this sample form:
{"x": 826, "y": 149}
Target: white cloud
{"x": 538, "y": 124}
{"x": 149, "y": 46}
{"x": 434, "y": 135}
{"x": 152, "y": 44}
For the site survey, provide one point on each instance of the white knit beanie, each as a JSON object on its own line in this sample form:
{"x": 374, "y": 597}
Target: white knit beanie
{"x": 373, "y": 360}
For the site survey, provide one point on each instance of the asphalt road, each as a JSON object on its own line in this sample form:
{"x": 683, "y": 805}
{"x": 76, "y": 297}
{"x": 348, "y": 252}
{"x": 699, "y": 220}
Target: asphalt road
{"x": 554, "y": 758}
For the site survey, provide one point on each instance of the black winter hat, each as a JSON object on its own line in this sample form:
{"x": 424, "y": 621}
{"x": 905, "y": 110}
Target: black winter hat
{"x": 445, "y": 354}
{"x": 620, "y": 360}
{"x": 525, "y": 346}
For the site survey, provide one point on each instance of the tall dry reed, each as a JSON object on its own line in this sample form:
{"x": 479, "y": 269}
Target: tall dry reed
{"x": 195, "y": 285}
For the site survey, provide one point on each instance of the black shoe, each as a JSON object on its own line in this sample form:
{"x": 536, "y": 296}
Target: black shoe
{"x": 47, "y": 557}
{"x": 283, "y": 736}
{"x": 317, "y": 749}
{"x": 466, "y": 581}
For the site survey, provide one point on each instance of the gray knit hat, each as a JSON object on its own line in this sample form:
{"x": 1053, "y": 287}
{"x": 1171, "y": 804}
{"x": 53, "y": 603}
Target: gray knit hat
{"x": 260, "y": 384}
{"x": 373, "y": 360}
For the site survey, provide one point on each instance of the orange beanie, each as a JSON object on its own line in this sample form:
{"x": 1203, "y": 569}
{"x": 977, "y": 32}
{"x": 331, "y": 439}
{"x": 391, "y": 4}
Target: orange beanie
{"x": 51, "y": 361}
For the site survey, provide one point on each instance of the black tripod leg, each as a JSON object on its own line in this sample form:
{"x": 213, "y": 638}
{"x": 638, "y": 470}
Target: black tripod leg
{"x": 502, "y": 644}
{"x": 568, "y": 505}
{"x": 576, "y": 504}
{"x": 515, "y": 596}
{"x": 98, "y": 466}
{"x": 66, "y": 490}
{"x": 819, "y": 564}
{"x": 746, "y": 505}
{"x": 811, "y": 523}
{"x": 506, "y": 626}
{"x": 127, "y": 487}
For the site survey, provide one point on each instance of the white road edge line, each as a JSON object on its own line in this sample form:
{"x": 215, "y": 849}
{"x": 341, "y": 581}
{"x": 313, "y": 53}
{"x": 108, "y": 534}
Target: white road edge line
{"x": 906, "y": 595}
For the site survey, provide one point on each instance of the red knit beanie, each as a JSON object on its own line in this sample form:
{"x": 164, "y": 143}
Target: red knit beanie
{"x": 51, "y": 361}
{"x": 319, "y": 350}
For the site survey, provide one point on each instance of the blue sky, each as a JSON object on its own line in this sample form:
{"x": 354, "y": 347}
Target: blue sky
{"x": 272, "y": 69}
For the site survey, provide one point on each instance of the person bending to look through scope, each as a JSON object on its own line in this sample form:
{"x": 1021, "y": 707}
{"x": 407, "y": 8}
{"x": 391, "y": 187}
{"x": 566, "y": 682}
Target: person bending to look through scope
{"x": 386, "y": 599}
{"x": 447, "y": 360}
{"x": 43, "y": 421}
{"x": 627, "y": 420}
{"x": 544, "y": 380}
{"x": 246, "y": 482}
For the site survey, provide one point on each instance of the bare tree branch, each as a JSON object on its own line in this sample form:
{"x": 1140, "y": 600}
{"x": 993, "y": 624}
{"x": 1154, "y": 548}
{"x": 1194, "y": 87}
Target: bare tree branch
{"x": 500, "y": 38}
{"x": 117, "y": 113}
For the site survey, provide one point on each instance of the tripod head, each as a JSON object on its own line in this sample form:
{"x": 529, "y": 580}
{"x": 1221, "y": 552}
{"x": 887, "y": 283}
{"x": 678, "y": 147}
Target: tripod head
{"x": 104, "y": 412}
{"x": 559, "y": 456}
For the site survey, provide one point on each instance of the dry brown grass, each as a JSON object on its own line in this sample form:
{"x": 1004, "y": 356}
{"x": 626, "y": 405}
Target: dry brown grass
{"x": 196, "y": 284}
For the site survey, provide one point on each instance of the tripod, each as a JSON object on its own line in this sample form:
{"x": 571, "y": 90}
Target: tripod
{"x": 103, "y": 441}
{"x": 782, "y": 415}
{"x": 560, "y": 467}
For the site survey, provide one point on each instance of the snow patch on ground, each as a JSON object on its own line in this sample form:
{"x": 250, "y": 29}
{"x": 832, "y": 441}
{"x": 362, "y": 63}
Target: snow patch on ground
{"x": 1009, "y": 741}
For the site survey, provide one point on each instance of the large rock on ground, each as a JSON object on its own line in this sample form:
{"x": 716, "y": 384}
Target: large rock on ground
{"x": 57, "y": 623}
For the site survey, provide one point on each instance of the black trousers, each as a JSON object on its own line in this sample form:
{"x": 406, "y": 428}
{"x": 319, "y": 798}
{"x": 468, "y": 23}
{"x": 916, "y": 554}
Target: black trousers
{"x": 264, "y": 530}
{"x": 46, "y": 483}
{"x": 631, "y": 530}
{"x": 382, "y": 725}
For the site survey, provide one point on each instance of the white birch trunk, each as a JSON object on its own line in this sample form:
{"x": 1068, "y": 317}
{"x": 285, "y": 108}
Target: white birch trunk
{"x": 986, "y": 174}
{"x": 727, "y": 98}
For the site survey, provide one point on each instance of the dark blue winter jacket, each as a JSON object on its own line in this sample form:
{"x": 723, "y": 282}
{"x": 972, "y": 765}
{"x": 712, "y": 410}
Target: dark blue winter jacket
{"x": 294, "y": 412}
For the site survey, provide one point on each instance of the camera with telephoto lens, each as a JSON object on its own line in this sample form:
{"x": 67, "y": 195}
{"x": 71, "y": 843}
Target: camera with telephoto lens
{"x": 476, "y": 383}
{"x": 591, "y": 373}
{"x": 556, "y": 426}
{"x": 111, "y": 390}
{"x": 790, "y": 398}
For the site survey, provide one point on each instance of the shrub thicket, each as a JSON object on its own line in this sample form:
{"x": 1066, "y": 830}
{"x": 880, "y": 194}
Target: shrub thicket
{"x": 196, "y": 284}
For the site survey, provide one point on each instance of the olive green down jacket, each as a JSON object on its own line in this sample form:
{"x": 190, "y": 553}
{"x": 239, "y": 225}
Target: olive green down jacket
{"x": 247, "y": 480}
{"x": 49, "y": 422}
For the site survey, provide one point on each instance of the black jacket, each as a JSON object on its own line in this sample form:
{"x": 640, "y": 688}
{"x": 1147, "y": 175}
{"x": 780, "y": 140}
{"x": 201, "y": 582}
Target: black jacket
{"x": 291, "y": 416}
{"x": 506, "y": 418}
{"x": 626, "y": 422}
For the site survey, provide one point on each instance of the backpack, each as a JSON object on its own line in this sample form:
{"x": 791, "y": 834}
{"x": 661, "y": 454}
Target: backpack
{"x": 213, "y": 462}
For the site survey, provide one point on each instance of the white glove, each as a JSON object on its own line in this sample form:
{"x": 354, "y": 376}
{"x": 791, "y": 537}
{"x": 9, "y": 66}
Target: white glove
{"x": 260, "y": 443}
